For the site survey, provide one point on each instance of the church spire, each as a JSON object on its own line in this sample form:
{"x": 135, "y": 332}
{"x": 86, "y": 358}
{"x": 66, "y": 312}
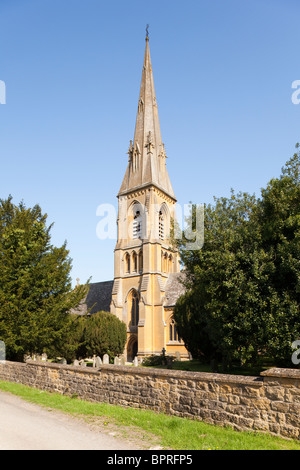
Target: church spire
{"x": 147, "y": 164}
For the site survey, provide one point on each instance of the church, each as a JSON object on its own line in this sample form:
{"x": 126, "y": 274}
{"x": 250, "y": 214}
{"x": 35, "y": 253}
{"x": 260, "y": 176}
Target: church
{"x": 147, "y": 273}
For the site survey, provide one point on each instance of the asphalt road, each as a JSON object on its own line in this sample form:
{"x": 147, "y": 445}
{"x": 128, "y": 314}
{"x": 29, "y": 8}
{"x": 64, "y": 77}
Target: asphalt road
{"x": 25, "y": 426}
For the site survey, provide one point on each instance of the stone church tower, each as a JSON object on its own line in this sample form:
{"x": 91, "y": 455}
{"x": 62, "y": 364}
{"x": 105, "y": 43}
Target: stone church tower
{"x": 146, "y": 266}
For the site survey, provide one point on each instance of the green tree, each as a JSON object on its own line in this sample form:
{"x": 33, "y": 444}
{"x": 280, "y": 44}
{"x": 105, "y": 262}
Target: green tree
{"x": 223, "y": 295}
{"x": 279, "y": 219}
{"x": 35, "y": 288}
{"x": 101, "y": 333}
{"x": 242, "y": 287}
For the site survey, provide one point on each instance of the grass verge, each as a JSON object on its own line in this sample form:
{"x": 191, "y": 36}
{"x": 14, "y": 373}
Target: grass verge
{"x": 173, "y": 432}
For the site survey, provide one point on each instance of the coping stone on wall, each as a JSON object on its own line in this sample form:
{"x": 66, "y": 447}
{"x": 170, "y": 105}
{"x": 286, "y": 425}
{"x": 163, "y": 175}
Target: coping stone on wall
{"x": 282, "y": 376}
{"x": 288, "y": 373}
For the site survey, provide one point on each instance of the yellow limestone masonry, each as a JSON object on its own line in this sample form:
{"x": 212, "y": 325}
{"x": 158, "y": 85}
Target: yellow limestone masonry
{"x": 270, "y": 402}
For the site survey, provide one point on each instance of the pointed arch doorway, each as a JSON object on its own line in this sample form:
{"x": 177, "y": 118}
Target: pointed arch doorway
{"x": 132, "y": 348}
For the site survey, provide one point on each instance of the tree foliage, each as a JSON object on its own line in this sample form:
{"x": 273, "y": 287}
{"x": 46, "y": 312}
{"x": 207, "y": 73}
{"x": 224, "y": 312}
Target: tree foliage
{"x": 35, "y": 289}
{"x": 242, "y": 287}
{"x": 279, "y": 219}
{"x": 100, "y": 333}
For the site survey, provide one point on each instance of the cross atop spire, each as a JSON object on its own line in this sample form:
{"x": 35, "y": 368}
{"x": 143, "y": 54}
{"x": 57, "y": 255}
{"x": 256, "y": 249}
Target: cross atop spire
{"x": 145, "y": 167}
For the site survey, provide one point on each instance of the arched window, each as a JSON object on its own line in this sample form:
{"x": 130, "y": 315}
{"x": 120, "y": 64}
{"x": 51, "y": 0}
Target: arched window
{"x": 134, "y": 262}
{"x": 136, "y": 157}
{"x": 127, "y": 263}
{"x": 137, "y": 225}
{"x": 141, "y": 261}
{"x": 134, "y": 308}
{"x": 166, "y": 262}
{"x": 161, "y": 225}
{"x": 173, "y": 335}
{"x": 164, "y": 222}
{"x": 170, "y": 263}
{"x": 136, "y": 221}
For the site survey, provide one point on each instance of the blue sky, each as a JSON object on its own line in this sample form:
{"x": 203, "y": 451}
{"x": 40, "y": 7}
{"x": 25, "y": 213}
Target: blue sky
{"x": 223, "y": 73}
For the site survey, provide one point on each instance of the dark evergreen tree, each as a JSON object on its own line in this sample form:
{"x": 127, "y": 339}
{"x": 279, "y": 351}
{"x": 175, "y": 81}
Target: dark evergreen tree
{"x": 100, "y": 333}
{"x": 36, "y": 295}
{"x": 279, "y": 219}
{"x": 243, "y": 287}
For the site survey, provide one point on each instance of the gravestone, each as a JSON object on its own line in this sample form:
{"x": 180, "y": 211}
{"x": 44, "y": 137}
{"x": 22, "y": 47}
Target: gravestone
{"x": 177, "y": 356}
{"x": 76, "y": 363}
{"x": 122, "y": 361}
{"x": 116, "y": 361}
{"x": 98, "y": 361}
{"x": 106, "y": 359}
{"x": 135, "y": 361}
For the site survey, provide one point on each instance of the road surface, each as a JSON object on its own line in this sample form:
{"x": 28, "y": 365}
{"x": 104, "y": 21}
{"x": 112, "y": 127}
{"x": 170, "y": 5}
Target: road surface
{"x": 26, "y": 426}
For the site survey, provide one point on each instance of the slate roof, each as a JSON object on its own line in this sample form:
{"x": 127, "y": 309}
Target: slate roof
{"x": 173, "y": 289}
{"x": 98, "y": 298}
{"x": 100, "y": 295}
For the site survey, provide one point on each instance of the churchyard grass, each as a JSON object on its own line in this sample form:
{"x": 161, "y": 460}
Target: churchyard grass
{"x": 198, "y": 366}
{"x": 173, "y": 432}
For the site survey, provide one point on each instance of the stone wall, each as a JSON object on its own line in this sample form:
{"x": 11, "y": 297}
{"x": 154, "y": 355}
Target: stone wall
{"x": 268, "y": 403}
